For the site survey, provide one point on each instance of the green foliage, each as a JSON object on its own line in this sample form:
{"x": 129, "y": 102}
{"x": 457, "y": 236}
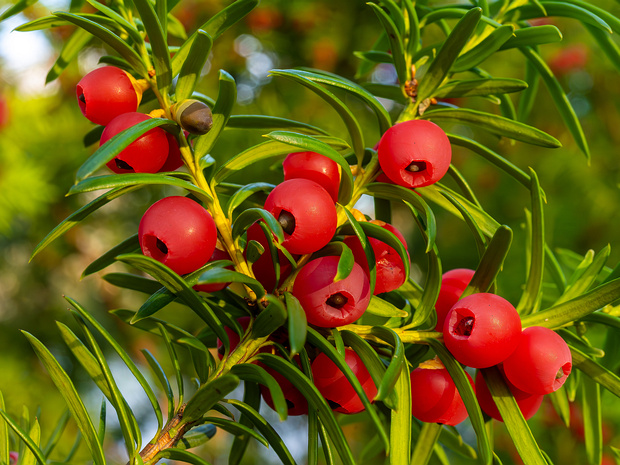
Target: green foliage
{"x": 437, "y": 53}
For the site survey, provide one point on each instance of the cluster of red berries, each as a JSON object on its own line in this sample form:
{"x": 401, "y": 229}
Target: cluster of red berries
{"x": 484, "y": 330}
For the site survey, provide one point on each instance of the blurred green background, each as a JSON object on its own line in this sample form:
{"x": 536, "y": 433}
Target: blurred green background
{"x": 41, "y": 147}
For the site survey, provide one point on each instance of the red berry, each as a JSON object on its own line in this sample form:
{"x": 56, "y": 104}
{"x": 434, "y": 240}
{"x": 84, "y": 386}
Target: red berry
{"x": 315, "y": 167}
{"x": 541, "y": 361}
{"x": 105, "y": 93}
{"x": 147, "y": 154}
{"x": 415, "y": 153}
{"x": 337, "y": 389}
{"x": 327, "y": 303}
{"x": 13, "y": 457}
{"x": 453, "y": 283}
{"x": 434, "y": 396}
{"x": 482, "y": 330}
{"x": 233, "y": 337}
{"x": 173, "y": 160}
{"x": 295, "y": 400}
{"x": 528, "y": 403}
{"x": 263, "y": 267}
{"x": 390, "y": 267}
{"x": 306, "y": 212}
{"x": 217, "y": 255}
{"x": 179, "y": 233}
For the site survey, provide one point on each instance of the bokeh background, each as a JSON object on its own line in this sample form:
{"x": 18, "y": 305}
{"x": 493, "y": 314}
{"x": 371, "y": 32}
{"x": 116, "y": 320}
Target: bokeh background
{"x": 41, "y": 147}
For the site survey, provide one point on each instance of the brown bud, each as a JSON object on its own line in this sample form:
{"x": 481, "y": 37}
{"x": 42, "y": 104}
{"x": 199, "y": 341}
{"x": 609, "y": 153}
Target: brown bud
{"x": 193, "y": 115}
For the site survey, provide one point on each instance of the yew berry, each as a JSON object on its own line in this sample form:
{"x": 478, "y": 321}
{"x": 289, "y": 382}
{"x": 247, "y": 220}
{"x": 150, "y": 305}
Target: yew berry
{"x": 263, "y": 267}
{"x": 327, "y": 303}
{"x": 453, "y": 283}
{"x": 105, "y": 93}
{"x": 217, "y": 255}
{"x": 389, "y": 266}
{"x": 414, "y": 153}
{"x": 179, "y": 233}
{"x": 306, "y": 212}
{"x": 173, "y": 160}
{"x": 541, "y": 361}
{"x": 233, "y": 337}
{"x": 528, "y": 403}
{"x": 434, "y": 396}
{"x": 13, "y": 457}
{"x": 336, "y": 388}
{"x": 147, "y": 154}
{"x": 316, "y": 167}
{"x": 295, "y": 400}
{"x": 482, "y": 330}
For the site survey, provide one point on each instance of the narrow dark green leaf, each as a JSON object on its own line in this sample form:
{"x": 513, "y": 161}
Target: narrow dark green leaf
{"x": 448, "y": 53}
{"x": 157, "y": 38}
{"x": 215, "y": 27}
{"x": 516, "y": 425}
{"x": 251, "y": 397}
{"x": 116, "y": 145}
{"x": 181, "y": 455}
{"x": 532, "y": 294}
{"x": 494, "y": 124}
{"x": 400, "y": 425}
{"x": 266, "y": 430}
{"x": 243, "y": 193}
{"x": 559, "y": 98}
{"x": 257, "y": 374}
{"x": 477, "y": 87}
{"x": 315, "y": 400}
{"x": 236, "y": 429}
{"x": 207, "y": 396}
{"x": 592, "y": 419}
{"x": 128, "y": 180}
{"x": 606, "y": 378}
{"x": 81, "y": 214}
{"x": 250, "y": 215}
{"x": 606, "y": 44}
{"x": 483, "y": 50}
{"x": 4, "y": 436}
{"x": 380, "y": 307}
{"x": 163, "y": 380}
{"x": 313, "y": 144}
{"x": 122, "y": 354}
{"x": 566, "y": 10}
{"x": 119, "y": 20}
{"x": 585, "y": 275}
{"x": 352, "y": 88}
{"x": 368, "y": 251}
{"x": 197, "y": 436}
{"x": 174, "y": 283}
{"x": 193, "y": 65}
{"x": 297, "y": 323}
{"x": 71, "y": 397}
{"x": 478, "y": 234}
{"x": 387, "y": 91}
{"x": 131, "y": 244}
{"x": 271, "y": 123}
{"x": 375, "y": 56}
{"x": 492, "y": 157}
{"x": 226, "y": 98}
{"x": 353, "y": 126}
{"x": 30, "y": 439}
{"x": 464, "y": 387}
{"x": 221, "y": 275}
{"x": 396, "y": 43}
{"x": 69, "y": 52}
{"x": 394, "y": 371}
{"x": 533, "y": 36}
{"x": 121, "y": 47}
{"x": 568, "y": 312}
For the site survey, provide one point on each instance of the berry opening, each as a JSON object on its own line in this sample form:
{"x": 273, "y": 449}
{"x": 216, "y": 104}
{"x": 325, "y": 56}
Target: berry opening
{"x": 464, "y": 327}
{"x": 562, "y": 374}
{"x": 287, "y": 221}
{"x": 81, "y": 98}
{"x": 416, "y": 166}
{"x": 334, "y": 405}
{"x": 337, "y": 300}
{"x": 123, "y": 165}
{"x": 161, "y": 246}
{"x": 154, "y": 247}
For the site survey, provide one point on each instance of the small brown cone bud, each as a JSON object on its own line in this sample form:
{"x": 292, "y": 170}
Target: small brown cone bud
{"x": 193, "y": 115}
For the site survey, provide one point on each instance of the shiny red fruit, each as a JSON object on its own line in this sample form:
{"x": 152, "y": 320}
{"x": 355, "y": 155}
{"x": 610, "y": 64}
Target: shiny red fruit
{"x": 541, "y": 361}
{"x": 415, "y": 153}
{"x": 315, "y": 167}
{"x": 306, "y": 212}
{"x": 434, "y": 396}
{"x": 330, "y": 304}
{"x": 482, "y": 330}
{"x": 390, "y": 267}
{"x": 337, "y": 389}
{"x": 528, "y": 403}
{"x": 173, "y": 160}
{"x": 105, "y": 93}
{"x": 453, "y": 283}
{"x": 146, "y": 154}
{"x": 179, "y": 233}
{"x": 263, "y": 268}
